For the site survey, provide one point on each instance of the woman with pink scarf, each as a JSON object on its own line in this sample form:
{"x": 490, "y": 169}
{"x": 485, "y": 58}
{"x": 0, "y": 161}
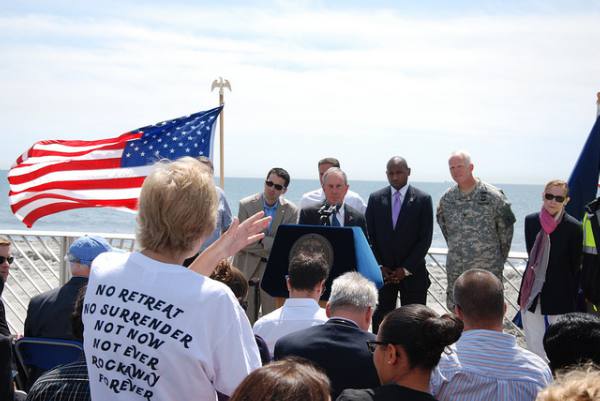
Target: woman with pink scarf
{"x": 554, "y": 242}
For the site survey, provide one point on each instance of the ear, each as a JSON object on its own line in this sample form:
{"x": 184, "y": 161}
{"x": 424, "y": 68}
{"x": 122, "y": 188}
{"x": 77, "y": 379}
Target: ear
{"x": 369, "y": 316}
{"x": 459, "y": 314}
{"x": 401, "y": 359}
{"x": 328, "y": 310}
{"x": 287, "y": 284}
{"x": 504, "y": 312}
{"x": 408, "y": 174}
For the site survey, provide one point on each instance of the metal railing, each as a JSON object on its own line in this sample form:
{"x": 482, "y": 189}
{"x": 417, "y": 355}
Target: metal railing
{"x": 513, "y": 271}
{"x": 40, "y": 266}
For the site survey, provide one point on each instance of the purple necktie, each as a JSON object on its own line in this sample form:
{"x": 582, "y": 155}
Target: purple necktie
{"x": 395, "y": 208}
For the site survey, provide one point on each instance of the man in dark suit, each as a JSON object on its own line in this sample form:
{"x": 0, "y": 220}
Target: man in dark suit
{"x": 49, "y": 313}
{"x": 400, "y": 224}
{"x": 333, "y": 211}
{"x": 339, "y": 346}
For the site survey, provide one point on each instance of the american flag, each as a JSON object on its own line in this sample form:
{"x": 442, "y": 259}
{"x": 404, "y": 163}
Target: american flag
{"x": 58, "y": 175}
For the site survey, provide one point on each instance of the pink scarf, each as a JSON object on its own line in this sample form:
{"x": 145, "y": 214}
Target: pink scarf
{"x": 535, "y": 272}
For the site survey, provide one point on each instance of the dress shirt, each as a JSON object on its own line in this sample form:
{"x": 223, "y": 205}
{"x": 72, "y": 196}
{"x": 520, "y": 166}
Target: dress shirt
{"x": 68, "y": 382}
{"x": 316, "y": 197}
{"x": 270, "y": 211}
{"x": 489, "y": 365}
{"x": 295, "y": 314}
{"x": 402, "y": 191}
{"x": 340, "y": 216}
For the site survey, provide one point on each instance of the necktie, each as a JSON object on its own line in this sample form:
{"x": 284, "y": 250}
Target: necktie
{"x": 334, "y": 220}
{"x": 395, "y": 208}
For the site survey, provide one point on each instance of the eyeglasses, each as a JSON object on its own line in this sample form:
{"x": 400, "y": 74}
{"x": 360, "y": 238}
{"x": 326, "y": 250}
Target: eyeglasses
{"x": 372, "y": 344}
{"x": 3, "y": 259}
{"x": 278, "y": 187}
{"x": 558, "y": 198}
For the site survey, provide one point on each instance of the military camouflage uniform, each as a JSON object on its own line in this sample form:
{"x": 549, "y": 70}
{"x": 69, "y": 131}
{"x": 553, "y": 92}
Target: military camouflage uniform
{"x": 478, "y": 228}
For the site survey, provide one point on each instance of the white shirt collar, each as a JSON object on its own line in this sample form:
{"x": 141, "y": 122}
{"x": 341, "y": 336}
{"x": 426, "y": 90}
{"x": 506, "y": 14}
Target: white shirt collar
{"x": 402, "y": 190}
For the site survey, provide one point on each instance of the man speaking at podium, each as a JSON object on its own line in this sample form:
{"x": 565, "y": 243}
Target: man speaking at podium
{"x": 333, "y": 211}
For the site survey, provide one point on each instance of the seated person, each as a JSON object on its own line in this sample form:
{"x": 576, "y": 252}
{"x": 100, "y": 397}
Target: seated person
{"x": 579, "y": 384}
{"x": 290, "y": 379}
{"x": 49, "y": 313}
{"x": 70, "y": 381}
{"x": 408, "y": 347}
{"x": 305, "y": 283}
{"x": 573, "y": 340}
{"x": 339, "y": 346}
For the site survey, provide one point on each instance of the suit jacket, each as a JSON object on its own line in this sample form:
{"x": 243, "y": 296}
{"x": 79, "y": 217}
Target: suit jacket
{"x": 49, "y": 314}
{"x": 4, "y": 330}
{"x": 352, "y": 217}
{"x": 406, "y": 244}
{"x": 339, "y": 347}
{"x": 559, "y": 292}
{"x": 252, "y": 259}
{"x": 6, "y": 379}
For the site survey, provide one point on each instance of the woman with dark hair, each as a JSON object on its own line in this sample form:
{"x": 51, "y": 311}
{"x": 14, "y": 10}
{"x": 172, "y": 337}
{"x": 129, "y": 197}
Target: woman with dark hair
{"x": 408, "y": 347}
{"x": 554, "y": 243}
{"x": 290, "y": 379}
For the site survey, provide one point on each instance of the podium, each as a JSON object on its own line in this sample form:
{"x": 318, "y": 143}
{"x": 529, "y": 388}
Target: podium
{"x": 345, "y": 249}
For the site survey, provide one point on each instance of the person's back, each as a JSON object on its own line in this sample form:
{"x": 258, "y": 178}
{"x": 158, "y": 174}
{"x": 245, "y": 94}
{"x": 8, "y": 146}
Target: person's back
{"x": 305, "y": 282}
{"x": 154, "y": 329}
{"x": 485, "y": 363}
{"x": 339, "y": 346}
{"x": 156, "y": 323}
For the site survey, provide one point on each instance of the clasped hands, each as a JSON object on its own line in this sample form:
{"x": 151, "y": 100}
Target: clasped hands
{"x": 392, "y": 276}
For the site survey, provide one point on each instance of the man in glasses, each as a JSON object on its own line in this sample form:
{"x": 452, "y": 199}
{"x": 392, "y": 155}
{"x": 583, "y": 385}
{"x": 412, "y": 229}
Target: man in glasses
{"x": 252, "y": 260}
{"x": 6, "y": 259}
{"x": 476, "y": 221}
{"x": 49, "y": 313}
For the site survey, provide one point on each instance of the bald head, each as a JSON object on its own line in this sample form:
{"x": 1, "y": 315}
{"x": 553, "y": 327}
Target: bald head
{"x": 397, "y": 172}
{"x": 480, "y": 297}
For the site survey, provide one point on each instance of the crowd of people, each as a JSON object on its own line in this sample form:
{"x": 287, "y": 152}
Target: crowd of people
{"x": 183, "y": 319}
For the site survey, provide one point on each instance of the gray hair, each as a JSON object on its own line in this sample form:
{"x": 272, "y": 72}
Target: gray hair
{"x": 335, "y": 170}
{"x": 352, "y": 290}
{"x": 463, "y": 154}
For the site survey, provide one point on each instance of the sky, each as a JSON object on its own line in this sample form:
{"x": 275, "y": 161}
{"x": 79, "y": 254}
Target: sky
{"x": 512, "y": 82}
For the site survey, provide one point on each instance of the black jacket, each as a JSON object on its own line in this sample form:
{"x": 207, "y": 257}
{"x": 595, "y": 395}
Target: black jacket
{"x": 352, "y": 217}
{"x": 405, "y": 245}
{"x": 339, "y": 347}
{"x": 49, "y": 314}
{"x": 559, "y": 292}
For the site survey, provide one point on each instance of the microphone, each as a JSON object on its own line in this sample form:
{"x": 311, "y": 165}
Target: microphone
{"x": 325, "y": 211}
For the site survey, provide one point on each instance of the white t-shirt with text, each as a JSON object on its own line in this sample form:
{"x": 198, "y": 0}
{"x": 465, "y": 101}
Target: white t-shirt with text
{"x": 156, "y": 331}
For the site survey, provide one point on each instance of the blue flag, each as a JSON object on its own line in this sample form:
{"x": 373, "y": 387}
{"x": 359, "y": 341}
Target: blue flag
{"x": 583, "y": 183}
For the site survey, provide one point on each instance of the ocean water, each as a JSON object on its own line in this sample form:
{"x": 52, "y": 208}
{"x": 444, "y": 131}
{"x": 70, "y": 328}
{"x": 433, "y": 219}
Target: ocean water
{"x": 525, "y": 199}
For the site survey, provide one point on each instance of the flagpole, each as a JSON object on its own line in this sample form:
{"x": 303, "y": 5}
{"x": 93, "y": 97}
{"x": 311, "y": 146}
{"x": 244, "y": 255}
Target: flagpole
{"x": 597, "y": 104}
{"x": 221, "y": 84}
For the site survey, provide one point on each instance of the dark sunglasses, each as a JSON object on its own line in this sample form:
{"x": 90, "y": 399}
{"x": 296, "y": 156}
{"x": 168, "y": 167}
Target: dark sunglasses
{"x": 272, "y": 184}
{"x": 3, "y": 259}
{"x": 372, "y": 344}
{"x": 558, "y": 198}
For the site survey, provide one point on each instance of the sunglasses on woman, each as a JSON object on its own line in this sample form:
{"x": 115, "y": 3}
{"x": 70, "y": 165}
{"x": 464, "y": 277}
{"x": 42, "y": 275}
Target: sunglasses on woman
{"x": 558, "y": 198}
{"x": 278, "y": 187}
{"x": 9, "y": 259}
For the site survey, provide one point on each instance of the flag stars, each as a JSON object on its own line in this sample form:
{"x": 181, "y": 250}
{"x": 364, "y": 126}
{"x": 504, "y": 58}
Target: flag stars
{"x": 150, "y": 147}
{"x": 142, "y": 154}
{"x": 172, "y": 150}
{"x": 187, "y": 150}
{"x": 128, "y": 155}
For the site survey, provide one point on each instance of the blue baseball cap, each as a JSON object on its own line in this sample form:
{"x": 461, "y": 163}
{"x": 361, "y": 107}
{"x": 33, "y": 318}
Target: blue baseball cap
{"x": 85, "y": 249}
